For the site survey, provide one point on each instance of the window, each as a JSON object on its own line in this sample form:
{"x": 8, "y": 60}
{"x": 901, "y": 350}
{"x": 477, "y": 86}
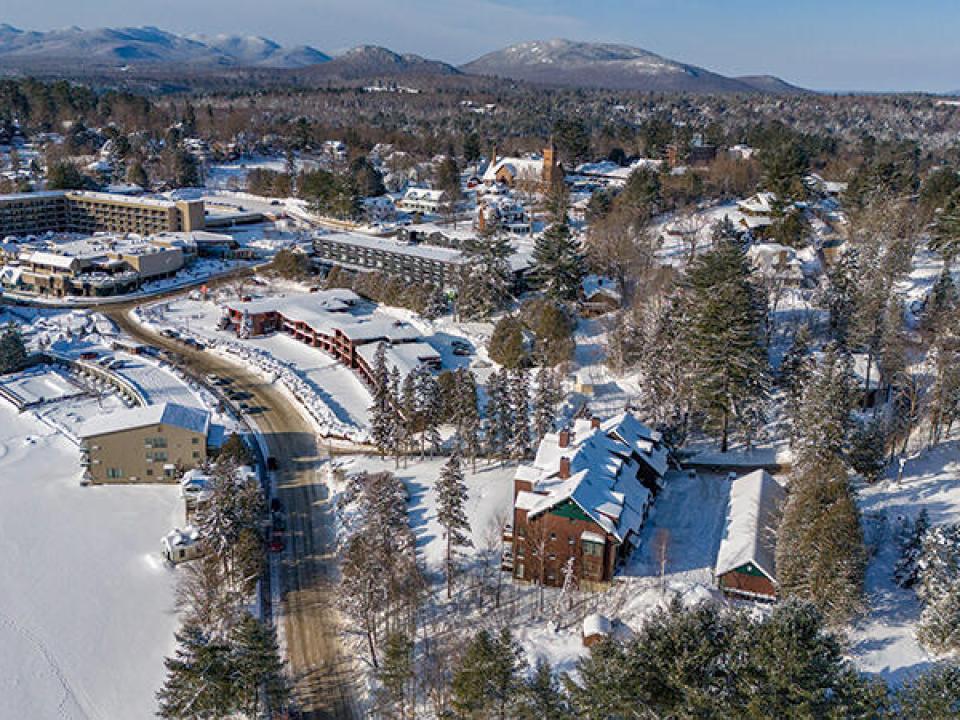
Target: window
{"x": 155, "y": 442}
{"x": 149, "y": 471}
{"x": 114, "y": 473}
{"x": 553, "y": 536}
{"x": 592, "y": 549}
{"x": 196, "y": 454}
{"x": 195, "y": 440}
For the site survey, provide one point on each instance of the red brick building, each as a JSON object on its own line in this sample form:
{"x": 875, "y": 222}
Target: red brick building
{"x": 582, "y": 502}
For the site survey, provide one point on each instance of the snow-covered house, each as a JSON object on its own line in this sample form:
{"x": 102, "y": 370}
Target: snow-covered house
{"x": 777, "y": 262}
{"x": 758, "y": 205}
{"x": 531, "y": 171}
{"x": 180, "y": 546}
{"x": 746, "y": 561}
{"x": 423, "y": 200}
{"x": 584, "y": 499}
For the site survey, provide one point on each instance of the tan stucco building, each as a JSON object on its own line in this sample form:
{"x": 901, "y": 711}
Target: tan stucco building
{"x": 156, "y": 443}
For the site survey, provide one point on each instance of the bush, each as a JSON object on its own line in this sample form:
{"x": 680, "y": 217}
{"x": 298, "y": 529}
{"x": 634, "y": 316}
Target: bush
{"x": 291, "y": 265}
{"x": 507, "y": 345}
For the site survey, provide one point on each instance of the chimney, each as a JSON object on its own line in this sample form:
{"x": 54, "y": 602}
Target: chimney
{"x": 564, "y": 468}
{"x": 595, "y": 423}
{"x": 564, "y": 438}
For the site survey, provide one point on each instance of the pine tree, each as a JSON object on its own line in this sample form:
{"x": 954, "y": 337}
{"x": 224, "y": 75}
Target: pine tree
{"x": 487, "y": 682}
{"x": 545, "y": 401}
{"x": 724, "y": 339}
{"x": 542, "y": 696}
{"x": 557, "y": 255}
{"x": 451, "y": 499}
{"x": 868, "y": 450}
{"x": 520, "y": 409}
{"x": 840, "y": 291}
{"x": 13, "y": 354}
{"x": 945, "y": 238}
{"x": 381, "y": 412}
{"x": 397, "y": 674}
{"x": 932, "y": 695}
{"x": 257, "y": 669}
{"x": 797, "y": 366}
{"x": 823, "y": 419}
{"x": 907, "y": 569}
{"x": 397, "y": 436}
{"x": 485, "y": 284}
{"x": 941, "y": 301}
{"x": 499, "y": 413}
{"x": 467, "y": 414}
{"x": 939, "y": 589}
{"x": 198, "y": 682}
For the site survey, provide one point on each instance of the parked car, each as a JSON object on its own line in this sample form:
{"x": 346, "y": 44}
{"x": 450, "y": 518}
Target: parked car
{"x": 272, "y": 465}
{"x": 276, "y": 505}
{"x": 277, "y": 541}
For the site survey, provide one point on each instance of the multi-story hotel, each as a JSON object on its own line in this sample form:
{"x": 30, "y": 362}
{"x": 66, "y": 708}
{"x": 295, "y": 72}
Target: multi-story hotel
{"x": 89, "y": 212}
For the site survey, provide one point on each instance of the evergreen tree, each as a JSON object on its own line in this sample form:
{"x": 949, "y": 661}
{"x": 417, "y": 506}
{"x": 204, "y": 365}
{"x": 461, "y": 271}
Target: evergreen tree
{"x": 499, "y": 413}
{"x": 941, "y": 302}
{"x": 939, "y": 588}
{"x": 467, "y": 414}
{"x": 396, "y": 675}
{"x": 485, "y": 282}
{"x": 235, "y": 450}
{"x": 868, "y": 451}
{"x": 507, "y": 345}
{"x": 451, "y": 498}
{"x": 381, "y": 412}
{"x": 520, "y": 408}
{"x": 13, "y": 353}
{"x": 797, "y": 367}
{"x": 487, "y": 681}
{"x": 724, "y": 339}
{"x": 557, "y": 255}
{"x": 545, "y": 401}
{"x": 945, "y": 238}
{"x": 823, "y": 419}
{"x": 907, "y": 569}
{"x": 820, "y": 554}
{"x": 840, "y": 291}
{"x": 542, "y": 696}
{"x": 932, "y": 695}
{"x": 198, "y": 682}
{"x": 257, "y": 668}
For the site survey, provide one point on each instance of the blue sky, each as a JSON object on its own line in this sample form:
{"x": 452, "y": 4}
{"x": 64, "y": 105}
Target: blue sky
{"x": 822, "y": 44}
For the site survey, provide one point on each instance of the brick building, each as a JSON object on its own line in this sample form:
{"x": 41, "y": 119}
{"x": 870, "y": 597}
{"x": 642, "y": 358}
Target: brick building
{"x": 585, "y": 497}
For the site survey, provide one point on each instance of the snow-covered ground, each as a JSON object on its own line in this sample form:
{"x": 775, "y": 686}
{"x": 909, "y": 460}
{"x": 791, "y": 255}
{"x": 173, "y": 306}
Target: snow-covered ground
{"x": 885, "y": 642}
{"x": 86, "y": 607}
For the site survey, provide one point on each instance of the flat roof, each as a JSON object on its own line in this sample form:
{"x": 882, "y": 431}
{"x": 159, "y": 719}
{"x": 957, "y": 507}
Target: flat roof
{"x": 427, "y": 252}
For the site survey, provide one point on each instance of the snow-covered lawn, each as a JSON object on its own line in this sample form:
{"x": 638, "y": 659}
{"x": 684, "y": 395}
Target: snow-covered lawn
{"x": 884, "y": 642}
{"x": 86, "y": 607}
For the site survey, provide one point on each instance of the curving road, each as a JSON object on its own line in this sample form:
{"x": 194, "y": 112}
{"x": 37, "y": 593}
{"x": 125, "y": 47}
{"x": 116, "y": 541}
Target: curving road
{"x": 323, "y": 674}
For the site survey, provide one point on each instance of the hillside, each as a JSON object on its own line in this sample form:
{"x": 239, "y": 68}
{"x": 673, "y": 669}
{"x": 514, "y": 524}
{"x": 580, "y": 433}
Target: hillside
{"x": 566, "y": 63}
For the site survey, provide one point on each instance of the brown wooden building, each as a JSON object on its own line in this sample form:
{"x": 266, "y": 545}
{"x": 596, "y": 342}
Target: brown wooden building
{"x": 746, "y": 564}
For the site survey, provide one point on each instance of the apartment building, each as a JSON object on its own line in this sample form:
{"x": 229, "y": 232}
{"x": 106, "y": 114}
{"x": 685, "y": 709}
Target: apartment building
{"x": 583, "y": 501}
{"x": 155, "y": 443}
{"x": 412, "y": 263}
{"x": 89, "y": 212}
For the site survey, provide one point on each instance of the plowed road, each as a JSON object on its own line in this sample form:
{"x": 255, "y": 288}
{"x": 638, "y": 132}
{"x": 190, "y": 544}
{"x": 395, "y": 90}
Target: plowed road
{"x": 322, "y": 673}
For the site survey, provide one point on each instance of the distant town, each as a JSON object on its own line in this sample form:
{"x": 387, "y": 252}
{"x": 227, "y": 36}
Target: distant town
{"x": 375, "y": 387}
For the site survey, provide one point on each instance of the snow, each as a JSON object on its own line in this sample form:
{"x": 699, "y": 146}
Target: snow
{"x": 884, "y": 641}
{"x": 86, "y": 607}
{"x": 40, "y": 384}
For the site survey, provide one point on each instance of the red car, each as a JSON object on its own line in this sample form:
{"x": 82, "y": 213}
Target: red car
{"x": 277, "y": 542}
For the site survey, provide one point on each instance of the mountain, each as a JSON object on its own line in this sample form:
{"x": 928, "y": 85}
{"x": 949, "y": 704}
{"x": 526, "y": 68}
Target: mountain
{"x": 372, "y": 61}
{"x": 566, "y": 63}
{"x": 771, "y": 85}
{"x": 77, "y": 49}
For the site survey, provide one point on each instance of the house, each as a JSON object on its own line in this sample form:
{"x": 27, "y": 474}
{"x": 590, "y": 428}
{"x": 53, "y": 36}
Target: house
{"x": 759, "y": 205}
{"x": 155, "y": 443}
{"x": 180, "y": 546}
{"x": 530, "y": 171}
{"x": 774, "y": 261}
{"x": 585, "y": 498}
{"x": 746, "y": 561}
{"x": 424, "y": 201}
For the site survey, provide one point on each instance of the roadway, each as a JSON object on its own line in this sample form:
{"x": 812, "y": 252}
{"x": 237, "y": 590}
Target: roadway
{"x": 322, "y": 673}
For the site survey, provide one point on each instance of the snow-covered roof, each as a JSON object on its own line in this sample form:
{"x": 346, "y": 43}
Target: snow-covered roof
{"x": 389, "y": 245}
{"x": 188, "y": 418}
{"x": 531, "y": 168}
{"x": 596, "y": 624}
{"x": 753, "y": 515}
{"x": 604, "y": 478}
{"x": 380, "y": 328}
{"x": 405, "y": 357}
{"x": 48, "y": 259}
{"x": 759, "y": 204}
{"x": 178, "y": 538}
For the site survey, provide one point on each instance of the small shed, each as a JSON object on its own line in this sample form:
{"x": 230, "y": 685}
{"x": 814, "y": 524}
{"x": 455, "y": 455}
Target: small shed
{"x": 746, "y": 564}
{"x": 181, "y": 545}
{"x": 596, "y": 628}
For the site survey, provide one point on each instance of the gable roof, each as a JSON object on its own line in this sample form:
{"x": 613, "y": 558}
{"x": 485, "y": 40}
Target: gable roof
{"x": 604, "y": 470}
{"x": 188, "y": 418}
{"x": 753, "y": 515}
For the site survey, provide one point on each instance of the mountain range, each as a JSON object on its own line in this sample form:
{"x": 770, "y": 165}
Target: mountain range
{"x": 557, "y": 63}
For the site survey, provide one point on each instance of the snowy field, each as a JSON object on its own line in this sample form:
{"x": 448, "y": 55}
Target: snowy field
{"x": 86, "y": 607}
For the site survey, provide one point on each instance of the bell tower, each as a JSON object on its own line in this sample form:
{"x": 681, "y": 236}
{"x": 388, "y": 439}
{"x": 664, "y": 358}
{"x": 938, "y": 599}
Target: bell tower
{"x": 552, "y": 172}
